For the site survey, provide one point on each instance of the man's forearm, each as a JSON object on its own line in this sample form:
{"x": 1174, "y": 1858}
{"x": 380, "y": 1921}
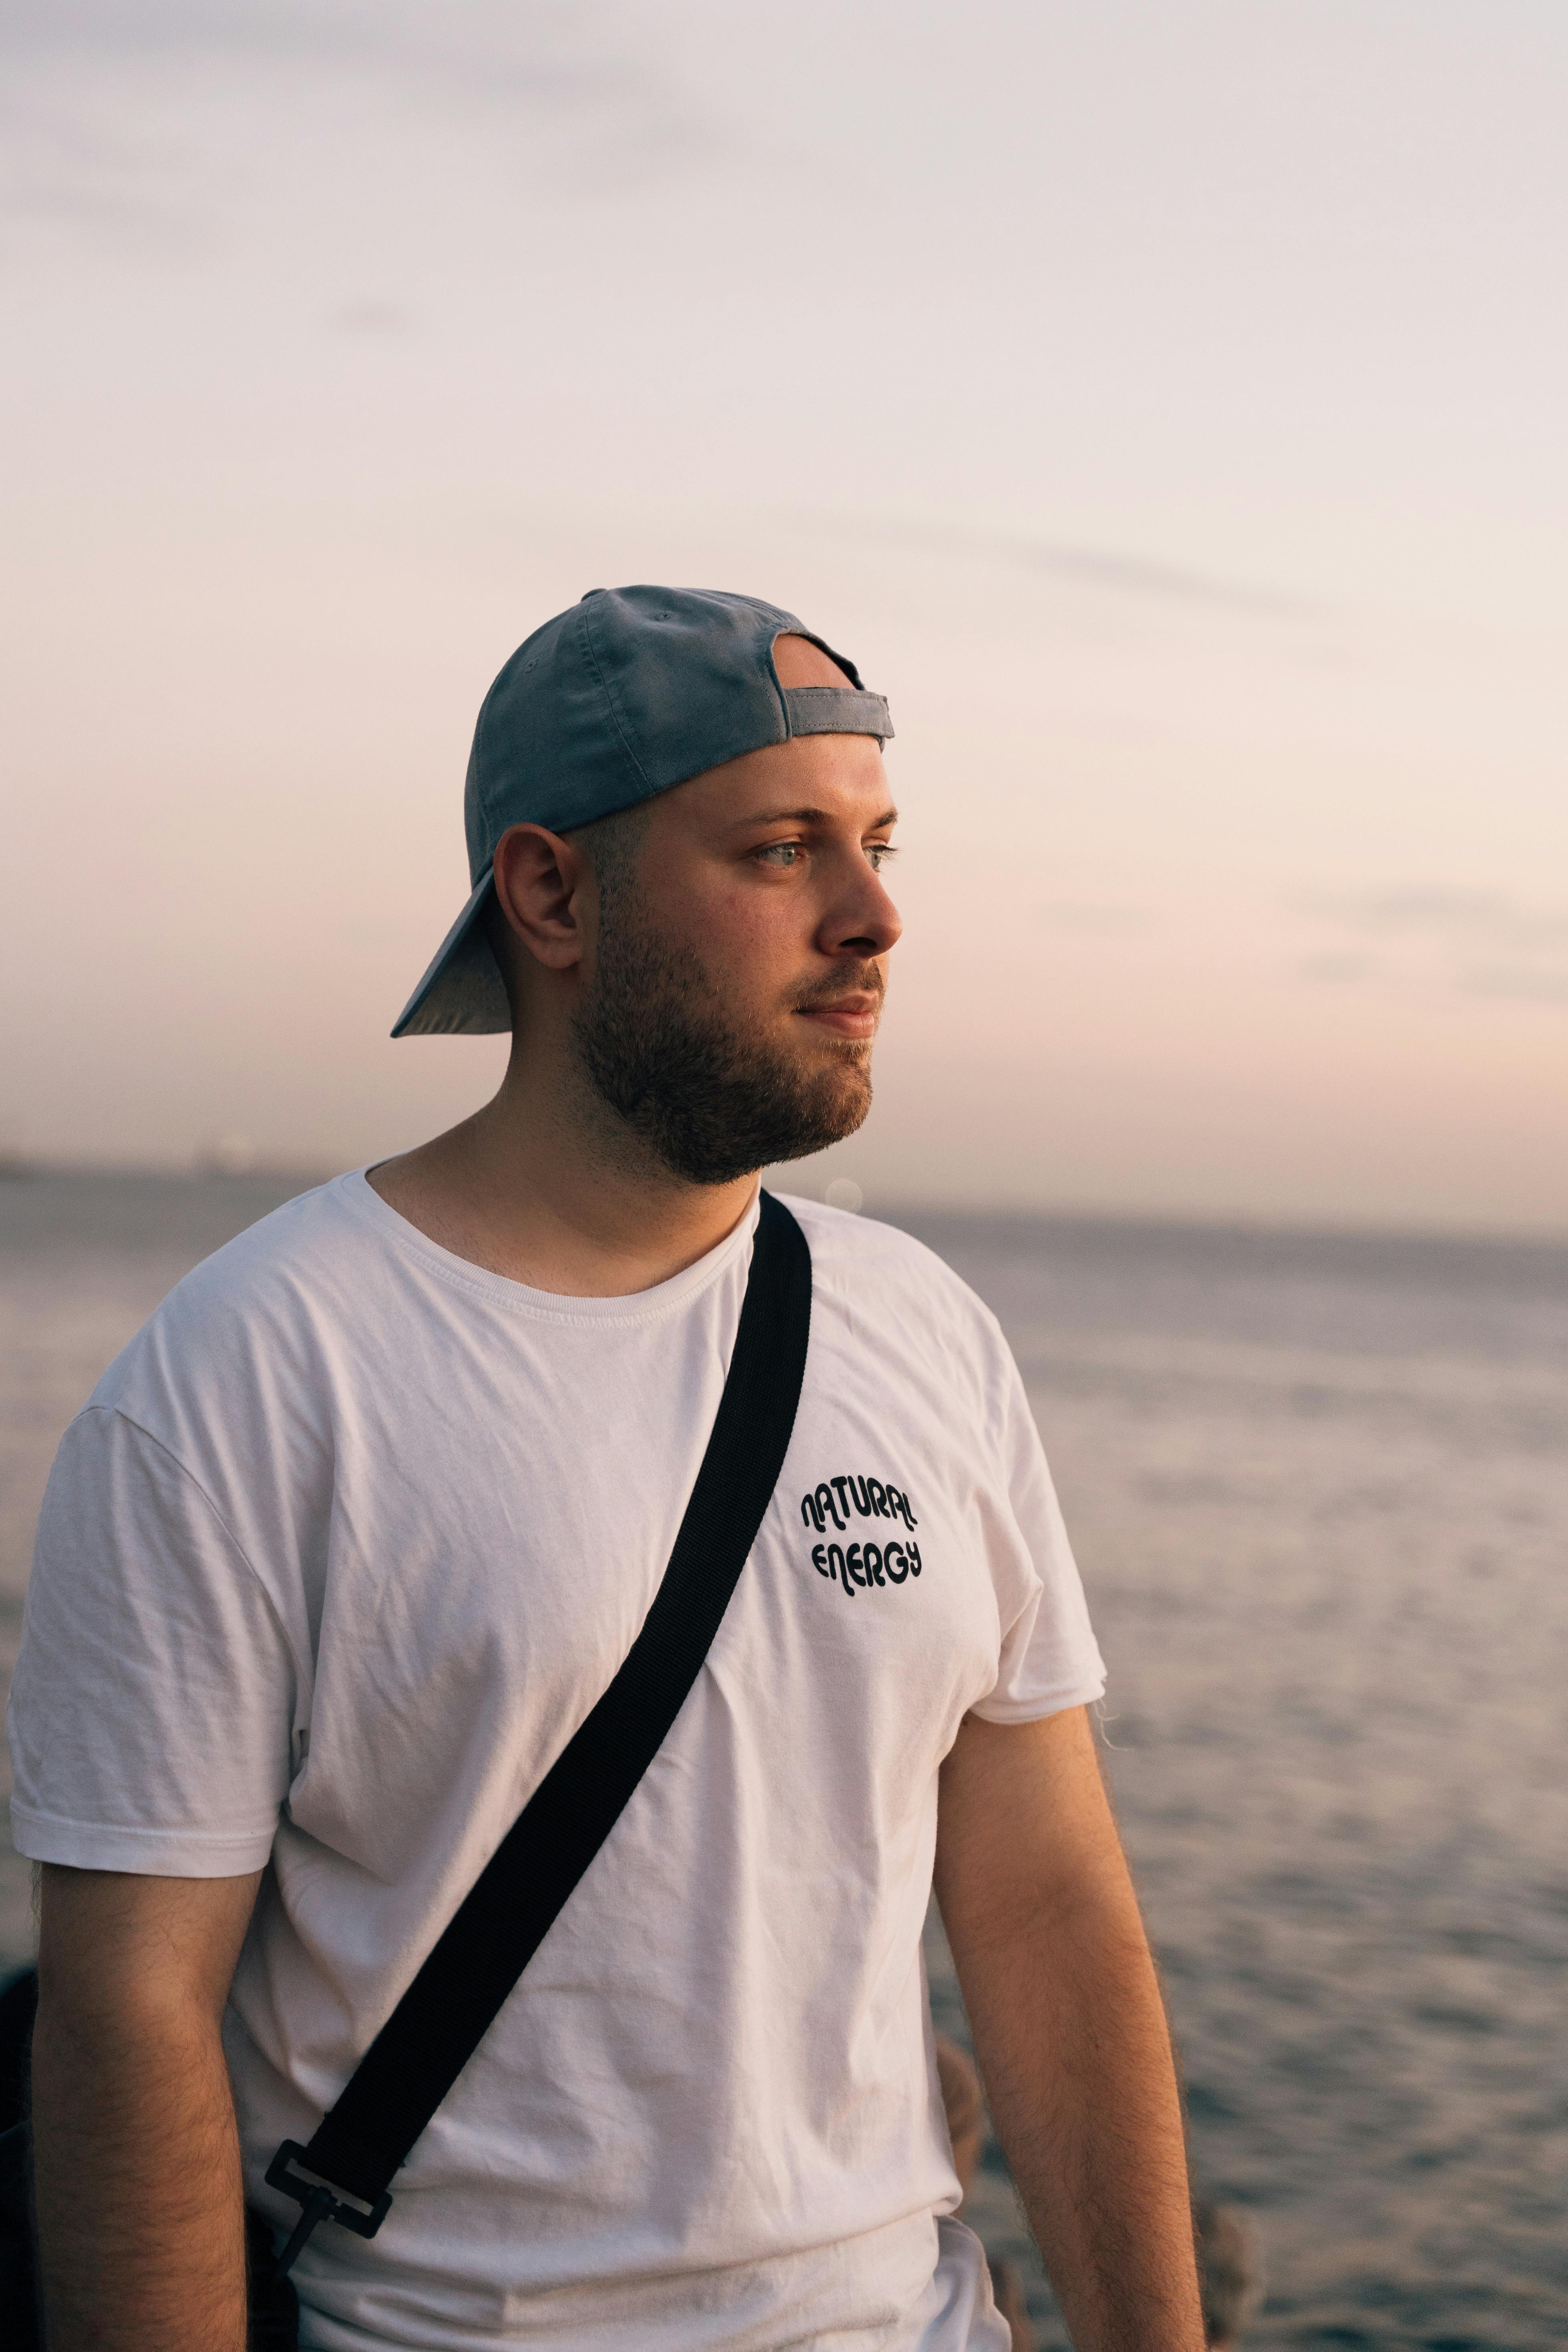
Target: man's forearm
{"x": 1072, "y": 2042}
{"x": 1070, "y": 2028}
{"x": 140, "y": 2218}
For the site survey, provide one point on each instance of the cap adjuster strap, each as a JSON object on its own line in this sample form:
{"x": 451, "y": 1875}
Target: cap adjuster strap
{"x": 836, "y": 710}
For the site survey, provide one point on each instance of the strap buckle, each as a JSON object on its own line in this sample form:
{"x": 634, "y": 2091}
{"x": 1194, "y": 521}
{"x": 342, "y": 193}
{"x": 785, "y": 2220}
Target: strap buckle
{"x": 319, "y": 2202}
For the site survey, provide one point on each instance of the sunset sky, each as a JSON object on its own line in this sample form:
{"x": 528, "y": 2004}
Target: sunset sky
{"x": 1163, "y": 404}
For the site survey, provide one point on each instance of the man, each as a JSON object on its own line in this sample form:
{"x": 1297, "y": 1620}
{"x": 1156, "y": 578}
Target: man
{"x": 352, "y": 1537}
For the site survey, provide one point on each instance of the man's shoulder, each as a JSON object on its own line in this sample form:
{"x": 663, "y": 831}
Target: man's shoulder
{"x": 871, "y": 1263}
{"x": 259, "y": 1292}
{"x": 293, "y": 1247}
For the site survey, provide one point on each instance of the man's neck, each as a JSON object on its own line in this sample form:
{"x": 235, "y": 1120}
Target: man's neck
{"x": 549, "y": 1190}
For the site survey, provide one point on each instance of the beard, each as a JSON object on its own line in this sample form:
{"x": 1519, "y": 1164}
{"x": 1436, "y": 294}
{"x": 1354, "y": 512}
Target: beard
{"x": 711, "y": 1100}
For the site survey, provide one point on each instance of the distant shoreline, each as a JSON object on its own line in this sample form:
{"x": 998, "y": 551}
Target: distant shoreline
{"x": 1276, "y": 1244}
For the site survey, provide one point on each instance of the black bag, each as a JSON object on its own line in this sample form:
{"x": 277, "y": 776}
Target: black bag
{"x": 18, "y": 2296}
{"x": 344, "y": 2175}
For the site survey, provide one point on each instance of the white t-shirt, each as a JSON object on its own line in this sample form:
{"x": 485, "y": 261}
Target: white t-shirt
{"x": 342, "y": 1550}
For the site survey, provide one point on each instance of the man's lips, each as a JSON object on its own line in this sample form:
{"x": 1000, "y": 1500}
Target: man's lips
{"x": 854, "y": 1014}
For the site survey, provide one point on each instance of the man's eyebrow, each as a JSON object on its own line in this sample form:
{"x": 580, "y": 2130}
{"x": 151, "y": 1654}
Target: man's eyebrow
{"x": 811, "y": 816}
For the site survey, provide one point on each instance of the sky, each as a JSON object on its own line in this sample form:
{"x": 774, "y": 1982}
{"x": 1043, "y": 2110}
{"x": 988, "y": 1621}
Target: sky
{"x": 1162, "y": 405}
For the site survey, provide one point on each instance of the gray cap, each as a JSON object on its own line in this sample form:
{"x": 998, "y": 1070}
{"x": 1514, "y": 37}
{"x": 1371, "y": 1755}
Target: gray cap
{"x": 632, "y": 691}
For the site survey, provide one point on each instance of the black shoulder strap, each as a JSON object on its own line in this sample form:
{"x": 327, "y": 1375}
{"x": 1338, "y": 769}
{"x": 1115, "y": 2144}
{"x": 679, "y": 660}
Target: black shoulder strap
{"x": 444, "y": 2015}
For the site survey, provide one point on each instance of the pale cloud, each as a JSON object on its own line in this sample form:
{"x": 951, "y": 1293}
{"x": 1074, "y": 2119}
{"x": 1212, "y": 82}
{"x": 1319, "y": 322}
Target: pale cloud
{"x": 1481, "y": 942}
{"x": 1495, "y": 916}
{"x": 104, "y": 114}
{"x": 1337, "y": 970}
{"x": 1095, "y": 568}
{"x": 373, "y": 318}
{"x": 76, "y": 162}
{"x": 469, "y": 42}
{"x": 1103, "y": 920}
{"x": 1524, "y": 983}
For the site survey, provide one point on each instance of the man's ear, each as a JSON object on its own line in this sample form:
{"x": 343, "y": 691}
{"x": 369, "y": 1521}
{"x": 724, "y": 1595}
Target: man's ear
{"x": 544, "y": 890}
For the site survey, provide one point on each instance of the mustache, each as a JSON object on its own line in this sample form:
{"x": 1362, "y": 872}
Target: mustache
{"x": 859, "y": 979}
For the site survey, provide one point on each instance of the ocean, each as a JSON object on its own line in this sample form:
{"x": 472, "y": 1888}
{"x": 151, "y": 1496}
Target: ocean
{"x": 1318, "y": 1484}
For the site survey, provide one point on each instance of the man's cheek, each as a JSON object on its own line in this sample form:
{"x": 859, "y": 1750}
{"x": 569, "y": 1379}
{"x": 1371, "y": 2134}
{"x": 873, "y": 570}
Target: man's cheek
{"x": 738, "y": 936}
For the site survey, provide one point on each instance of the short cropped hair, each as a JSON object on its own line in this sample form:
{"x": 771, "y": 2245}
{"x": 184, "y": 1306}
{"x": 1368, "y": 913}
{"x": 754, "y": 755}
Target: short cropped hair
{"x": 612, "y": 844}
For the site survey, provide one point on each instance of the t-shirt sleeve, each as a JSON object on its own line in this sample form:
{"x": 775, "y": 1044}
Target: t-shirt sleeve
{"x": 151, "y": 1714}
{"x": 1049, "y": 1658}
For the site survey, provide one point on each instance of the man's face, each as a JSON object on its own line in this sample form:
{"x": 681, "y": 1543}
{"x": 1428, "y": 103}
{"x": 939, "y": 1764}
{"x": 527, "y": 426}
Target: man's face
{"x": 741, "y": 965}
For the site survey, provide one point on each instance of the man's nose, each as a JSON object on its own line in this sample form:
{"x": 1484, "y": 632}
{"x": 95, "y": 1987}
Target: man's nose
{"x": 864, "y": 922}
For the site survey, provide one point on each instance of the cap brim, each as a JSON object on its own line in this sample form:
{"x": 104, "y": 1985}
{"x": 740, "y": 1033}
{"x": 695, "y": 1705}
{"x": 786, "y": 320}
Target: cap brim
{"x": 461, "y": 995}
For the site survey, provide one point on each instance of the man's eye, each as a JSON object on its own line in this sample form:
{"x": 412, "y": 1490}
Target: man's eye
{"x": 779, "y": 853}
{"x": 878, "y": 853}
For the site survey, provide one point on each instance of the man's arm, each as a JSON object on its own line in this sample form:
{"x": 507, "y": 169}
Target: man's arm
{"x": 1069, "y": 2029}
{"x": 140, "y": 2214}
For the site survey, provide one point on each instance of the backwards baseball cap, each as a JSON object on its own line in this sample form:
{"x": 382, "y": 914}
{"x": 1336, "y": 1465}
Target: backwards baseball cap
{"x": 631, "y": 692}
